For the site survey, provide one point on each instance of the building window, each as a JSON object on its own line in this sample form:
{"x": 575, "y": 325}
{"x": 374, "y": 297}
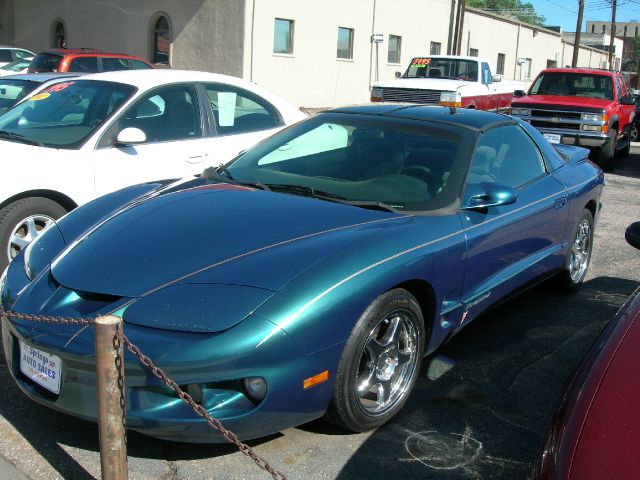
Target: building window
{"x": 500, "y": 66}
{"x": 345, "y": 42}
{"x": 435, "y": 48}
{"x": 161, "y": 41}
{"x": 625, "y": 31}
{"x": 59, "y": 35}
{"x": 395, "y": 44}
{"x": 526, "y": 68}
{"x": 283, "y": 36}
{"x": 636, "y": 31}
{"x": 603, "y": 27}
{"x": 551, "y": 63}
{"x": 593, "y": 28}
{"x": 473, "y": 52}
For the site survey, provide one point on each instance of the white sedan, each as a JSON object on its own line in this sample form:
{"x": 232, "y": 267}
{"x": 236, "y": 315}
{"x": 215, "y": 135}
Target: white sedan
{"x": 84, "y": 137}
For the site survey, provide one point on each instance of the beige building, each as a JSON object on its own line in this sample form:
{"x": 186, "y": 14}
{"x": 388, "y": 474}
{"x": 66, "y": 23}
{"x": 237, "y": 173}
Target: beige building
{"x": 315, "y": 54}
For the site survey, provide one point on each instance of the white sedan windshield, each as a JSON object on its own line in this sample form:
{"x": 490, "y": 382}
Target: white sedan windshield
{"x": 65, "y": 114}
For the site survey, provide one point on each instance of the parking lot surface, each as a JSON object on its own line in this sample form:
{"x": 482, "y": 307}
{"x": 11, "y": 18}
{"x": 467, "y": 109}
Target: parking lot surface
{"x": 479, "y": 410}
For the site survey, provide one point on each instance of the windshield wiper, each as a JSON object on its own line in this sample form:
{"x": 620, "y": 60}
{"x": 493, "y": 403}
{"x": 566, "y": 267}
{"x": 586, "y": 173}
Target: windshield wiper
{"x": 20, "y": 138}
{"x": 223, "y": 168}
{"x": 332, "y": 197}
{"x": 212, "y": 173}
{"x": 305, "y": 190}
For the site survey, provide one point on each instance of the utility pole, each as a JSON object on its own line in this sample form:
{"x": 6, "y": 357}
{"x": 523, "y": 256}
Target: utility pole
{"x": 463, "y": 8}
{"x": 612, "y": 33}
{"x": 449, "y": 40}
{"x": 576, "y": 42}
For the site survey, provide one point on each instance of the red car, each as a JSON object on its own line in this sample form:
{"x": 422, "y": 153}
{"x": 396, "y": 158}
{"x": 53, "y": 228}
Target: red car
{"x": 580, "y": 106}
{"x": 84, "y": 60}
{"x": 596, "y": 430}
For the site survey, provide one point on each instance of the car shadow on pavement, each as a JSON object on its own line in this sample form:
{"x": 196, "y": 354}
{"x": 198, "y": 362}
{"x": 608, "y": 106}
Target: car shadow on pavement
{"x": 628, "y": 166}
{"x": 484, "y": 401}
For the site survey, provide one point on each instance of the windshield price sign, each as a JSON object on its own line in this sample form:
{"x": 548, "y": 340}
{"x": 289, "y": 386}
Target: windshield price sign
{"x": 421, "y": 61}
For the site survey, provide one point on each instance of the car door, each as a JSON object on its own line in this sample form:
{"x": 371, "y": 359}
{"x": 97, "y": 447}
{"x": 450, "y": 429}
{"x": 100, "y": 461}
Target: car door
{"x": 241, "y": 119}
{"x": 174, "y": 145}
{"x": 509, "y": 245}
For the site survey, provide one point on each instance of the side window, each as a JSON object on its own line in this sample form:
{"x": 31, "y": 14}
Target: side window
{"x": 22, "y": 54}
{"x": 112, "y": 64}
{"x": 5, "y": 56}
{"x": 84, "y": 64}
{"x": 138, "y": 65}
{"x": 486, "y": 73}
{"x": 167, "y": 114}
{"x": 505, "y": 155}
{"x": 238, "y": 111}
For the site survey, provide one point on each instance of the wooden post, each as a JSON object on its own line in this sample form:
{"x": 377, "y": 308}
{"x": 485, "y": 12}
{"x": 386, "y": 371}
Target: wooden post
{"x": 576, "y": 41}
{"x": 110, "y": 391}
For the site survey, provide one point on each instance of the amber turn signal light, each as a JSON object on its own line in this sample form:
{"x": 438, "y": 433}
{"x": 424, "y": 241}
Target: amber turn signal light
{"x": 316, "y": 379}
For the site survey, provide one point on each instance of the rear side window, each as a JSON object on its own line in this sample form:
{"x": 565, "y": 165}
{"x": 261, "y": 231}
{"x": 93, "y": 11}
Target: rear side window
{"x": 22, "y": 54}
{"x": 113, "y": 64}
{"x": 84, "y": 64}
{"x": 239, "y": 111}
{"x": 5, "y": 56}
{"x": 44, "y": 62}
{"x": 138, "y": 65}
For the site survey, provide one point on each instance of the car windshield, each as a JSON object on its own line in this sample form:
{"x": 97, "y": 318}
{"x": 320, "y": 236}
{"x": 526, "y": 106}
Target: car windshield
{"x": 573, "y": 84}
{"x": 361, "y": 160}
{"x": 429, "y": 67}
{"x": 45, "y": 62}
{"x": 12, "y": 91}
{"x": 17, "y": 65}
{"x": 65, "y": 114}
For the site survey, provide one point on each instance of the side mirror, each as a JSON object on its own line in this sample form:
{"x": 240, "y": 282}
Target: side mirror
{"x": 398, "y": 74}
{"x": 628, "y": 100}
{"x": 484, "y": 195}
{"x": 519, "y": 93}
{"x": 131, "y": 136}
{"x": 632, "y": 235}
{"x": 497, "y": 78}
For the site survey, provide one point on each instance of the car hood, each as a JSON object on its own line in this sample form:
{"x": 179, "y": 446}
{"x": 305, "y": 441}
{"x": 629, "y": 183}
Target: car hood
{"x": 425, "y": 83}
{"x": 582, "y": 104}
{"x": 220, "y": 233}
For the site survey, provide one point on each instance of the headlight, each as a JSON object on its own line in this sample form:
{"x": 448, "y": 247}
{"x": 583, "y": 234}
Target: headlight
{"x": 521, "y": 112}
{"x": 256, "y": 388}
{"x": 451, "y": 99}
{"x": 592, "y": 117}
{"x": 376, "y": 94}
{"x": 28, "y": 264}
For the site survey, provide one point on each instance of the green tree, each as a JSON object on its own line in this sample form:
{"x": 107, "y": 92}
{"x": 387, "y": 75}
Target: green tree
{"x": 522, "y": 11}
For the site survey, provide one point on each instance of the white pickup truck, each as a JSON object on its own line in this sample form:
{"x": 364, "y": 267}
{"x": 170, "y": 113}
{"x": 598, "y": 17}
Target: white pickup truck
{"x": 448, "y": 80}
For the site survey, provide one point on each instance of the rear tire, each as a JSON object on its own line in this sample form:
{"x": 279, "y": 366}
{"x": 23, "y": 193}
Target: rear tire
{"x": 579, "y": 254}
{"x": 21, "y": 221}
{"x": 379, "y": 364}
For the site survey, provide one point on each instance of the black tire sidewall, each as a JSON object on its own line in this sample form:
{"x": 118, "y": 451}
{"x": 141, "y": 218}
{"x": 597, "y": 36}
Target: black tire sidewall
{"x": 345, "y": 402}
{"x": 19, "y": 210}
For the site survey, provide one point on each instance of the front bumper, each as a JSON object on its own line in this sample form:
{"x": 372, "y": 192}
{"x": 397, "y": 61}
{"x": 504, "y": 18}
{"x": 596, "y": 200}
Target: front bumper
{"x": 569, "y": 129}
{"x": 214, "y": 362}
{"x": 579, "y": 138}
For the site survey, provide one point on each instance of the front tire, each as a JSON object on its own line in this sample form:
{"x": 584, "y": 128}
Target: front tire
{"x": 21, "y": 221}
{"x": 579, "y": 254}
{"x": 605, "y": 155}
{"x": 379, "y": 364}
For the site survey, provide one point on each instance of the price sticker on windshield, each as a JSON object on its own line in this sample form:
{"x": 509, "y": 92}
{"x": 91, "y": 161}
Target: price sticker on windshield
{"x": 421, "y": 61}
{"x": 58, "y": 87}
{"x": 39, "y": 96}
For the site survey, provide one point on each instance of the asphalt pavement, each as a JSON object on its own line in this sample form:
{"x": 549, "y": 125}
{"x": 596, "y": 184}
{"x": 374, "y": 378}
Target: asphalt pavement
{"x": 480, "y": 408}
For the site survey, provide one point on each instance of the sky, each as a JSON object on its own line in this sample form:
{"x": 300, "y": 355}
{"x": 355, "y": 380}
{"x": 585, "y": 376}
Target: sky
{"x": 565, "y": 12}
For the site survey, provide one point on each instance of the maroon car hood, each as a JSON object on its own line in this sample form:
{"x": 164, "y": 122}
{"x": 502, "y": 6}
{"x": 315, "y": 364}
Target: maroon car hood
{"x": 609, "y": 446}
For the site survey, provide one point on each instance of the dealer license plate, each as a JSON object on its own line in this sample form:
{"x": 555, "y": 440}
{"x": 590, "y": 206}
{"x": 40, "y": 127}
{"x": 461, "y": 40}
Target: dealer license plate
{"x": 553, "y": 137}
{"x": 41, "y": 367}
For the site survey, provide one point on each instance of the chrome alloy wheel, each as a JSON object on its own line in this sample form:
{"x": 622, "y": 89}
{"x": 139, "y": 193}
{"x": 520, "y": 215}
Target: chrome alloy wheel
{"x": 580, "y": 251}
{"x": 388, "y": 363}
{"x": 24, "y": 232}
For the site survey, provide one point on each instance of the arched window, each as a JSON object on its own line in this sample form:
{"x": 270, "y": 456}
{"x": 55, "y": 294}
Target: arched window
{"x": 59, "y": 35}
{"x": 161, "y": 41}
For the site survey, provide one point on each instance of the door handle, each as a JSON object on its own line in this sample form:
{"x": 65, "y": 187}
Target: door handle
{"x": 560, "y": 202}
{"x": 196, "y": 159}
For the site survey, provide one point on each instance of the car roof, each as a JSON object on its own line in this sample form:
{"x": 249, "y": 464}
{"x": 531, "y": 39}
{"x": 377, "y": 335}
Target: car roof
{"x": 468, "y": 117}
{"x": 41, "y": 77}
{"x": 145, "y": 79}
{"x": 595, "y": 71}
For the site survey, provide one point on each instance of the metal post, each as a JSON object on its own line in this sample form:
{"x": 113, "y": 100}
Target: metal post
{"x": 110, "y": 390}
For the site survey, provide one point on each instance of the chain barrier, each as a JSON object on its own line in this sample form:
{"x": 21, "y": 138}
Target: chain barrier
{"x": 160, "y": 374}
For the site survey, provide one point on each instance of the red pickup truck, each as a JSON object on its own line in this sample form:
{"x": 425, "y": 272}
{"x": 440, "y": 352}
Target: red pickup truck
{"x": 578, "y": 106}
